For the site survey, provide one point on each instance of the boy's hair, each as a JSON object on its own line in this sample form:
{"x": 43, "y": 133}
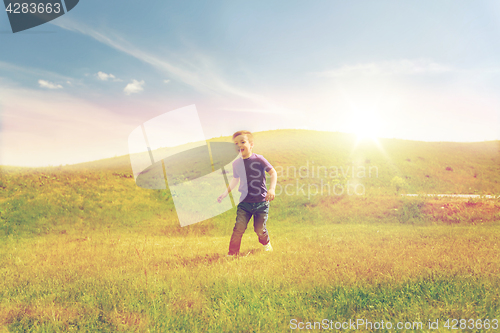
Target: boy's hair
{"x": 247, "y": 133}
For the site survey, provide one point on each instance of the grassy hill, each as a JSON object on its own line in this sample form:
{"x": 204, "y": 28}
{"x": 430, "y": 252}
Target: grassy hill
{"x": 83, "y": 248}
{"x": 103, "y": 193}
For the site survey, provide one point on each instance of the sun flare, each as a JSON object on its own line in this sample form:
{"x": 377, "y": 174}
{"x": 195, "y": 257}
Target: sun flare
{"x": 365, "y": 130}
{"x": 367, "y": 125}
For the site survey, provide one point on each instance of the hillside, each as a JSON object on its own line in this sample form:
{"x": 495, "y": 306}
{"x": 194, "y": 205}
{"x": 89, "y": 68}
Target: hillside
{"x": 475, "y": 167}
{"x": 367, "y": 176}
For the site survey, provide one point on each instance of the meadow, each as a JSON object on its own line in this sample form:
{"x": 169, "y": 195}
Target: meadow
{"x": 82, "y": 248}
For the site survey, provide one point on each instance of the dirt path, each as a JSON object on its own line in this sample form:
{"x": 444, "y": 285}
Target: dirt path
{"x": 455, "y": 196}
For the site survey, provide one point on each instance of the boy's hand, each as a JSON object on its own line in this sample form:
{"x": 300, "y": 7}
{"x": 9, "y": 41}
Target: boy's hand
{"x": 270, "y": 195}
{"x": 222, "y": 196}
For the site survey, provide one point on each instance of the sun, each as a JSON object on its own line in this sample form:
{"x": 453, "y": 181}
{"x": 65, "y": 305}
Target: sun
{"x": 366, "y": 125}
{"x": 365, "y": 130}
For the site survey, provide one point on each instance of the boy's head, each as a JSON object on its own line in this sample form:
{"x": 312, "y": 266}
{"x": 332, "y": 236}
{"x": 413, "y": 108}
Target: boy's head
{"x": 244, "y": 143}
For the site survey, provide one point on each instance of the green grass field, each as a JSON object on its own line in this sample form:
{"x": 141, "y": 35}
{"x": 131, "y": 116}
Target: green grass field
{"x": 82, "y": 248}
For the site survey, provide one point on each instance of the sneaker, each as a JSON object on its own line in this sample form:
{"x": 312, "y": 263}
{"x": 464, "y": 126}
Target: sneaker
{"x": 268, "y": 247}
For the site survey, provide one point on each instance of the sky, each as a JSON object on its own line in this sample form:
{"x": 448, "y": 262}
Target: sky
{"x": 74, "y": 89}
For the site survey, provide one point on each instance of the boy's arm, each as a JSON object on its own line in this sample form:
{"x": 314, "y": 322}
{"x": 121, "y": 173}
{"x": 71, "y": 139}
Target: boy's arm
{"x": 272, "y": 187}
{"x": 232, "y": 185}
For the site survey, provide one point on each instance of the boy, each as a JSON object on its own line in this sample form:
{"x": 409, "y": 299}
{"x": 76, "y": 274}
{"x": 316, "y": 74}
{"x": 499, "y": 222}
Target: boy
{"x": 255, "y": 197}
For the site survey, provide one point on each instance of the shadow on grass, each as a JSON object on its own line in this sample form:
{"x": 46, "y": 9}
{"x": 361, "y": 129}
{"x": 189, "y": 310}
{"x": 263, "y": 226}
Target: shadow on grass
{"x": 210, "y": 259}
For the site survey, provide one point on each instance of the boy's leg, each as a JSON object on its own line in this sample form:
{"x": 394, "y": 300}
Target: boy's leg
{"x": 242, "y": 218}
{"x": 260, "y": 216}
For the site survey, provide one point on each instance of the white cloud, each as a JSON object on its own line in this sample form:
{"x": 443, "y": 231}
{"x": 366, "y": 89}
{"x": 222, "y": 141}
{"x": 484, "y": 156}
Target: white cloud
{"x": 49, "y": 85}
{"x": 166, "y": 81}
{"x": 104, "y": 77}
{"x": 397, "y": 67}
{"x": 134, "y": 87}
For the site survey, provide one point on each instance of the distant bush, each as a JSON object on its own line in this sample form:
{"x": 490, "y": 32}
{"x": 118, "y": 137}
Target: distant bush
{"x": 399, "y": 183}
{"x": 411, "y": 211}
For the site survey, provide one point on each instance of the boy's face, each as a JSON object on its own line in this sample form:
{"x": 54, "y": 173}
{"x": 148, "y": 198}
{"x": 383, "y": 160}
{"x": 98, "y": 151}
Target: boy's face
{"x": 243, "y": 145}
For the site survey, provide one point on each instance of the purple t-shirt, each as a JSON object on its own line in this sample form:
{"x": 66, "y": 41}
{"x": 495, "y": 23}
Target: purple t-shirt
{"x": 252, "y": 174}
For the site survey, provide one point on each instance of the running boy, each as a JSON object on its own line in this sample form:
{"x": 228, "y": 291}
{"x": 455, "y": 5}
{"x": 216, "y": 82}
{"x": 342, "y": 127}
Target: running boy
{"x": 255, "y": 198}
